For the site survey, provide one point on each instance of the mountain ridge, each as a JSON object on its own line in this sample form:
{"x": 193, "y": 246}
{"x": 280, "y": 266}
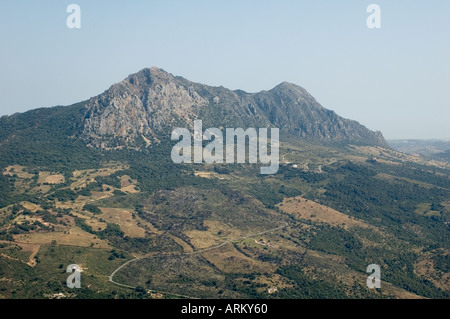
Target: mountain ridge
{"x": 152, "y": 102}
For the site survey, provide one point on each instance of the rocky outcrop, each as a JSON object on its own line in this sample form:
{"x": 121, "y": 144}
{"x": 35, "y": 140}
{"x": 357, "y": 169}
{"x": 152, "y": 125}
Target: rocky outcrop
{"x": 147, "y": 105}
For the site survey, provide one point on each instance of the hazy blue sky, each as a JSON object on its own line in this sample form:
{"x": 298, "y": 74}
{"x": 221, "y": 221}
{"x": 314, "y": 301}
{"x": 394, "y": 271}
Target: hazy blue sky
{"x": 395, "y": 79}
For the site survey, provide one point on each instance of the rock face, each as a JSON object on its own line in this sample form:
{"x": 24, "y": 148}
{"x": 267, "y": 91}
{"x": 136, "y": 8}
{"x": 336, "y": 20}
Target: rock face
{"x": 151, "y": 103}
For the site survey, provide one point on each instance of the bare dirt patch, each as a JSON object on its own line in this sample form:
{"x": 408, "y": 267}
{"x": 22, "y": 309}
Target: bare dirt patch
{"x": 206, "y": 174}
{"x": 49, "y": 178}
{"x": 203, "y": 239}
{"x": 124, "y": 219}
{"x": 203, "y": 174}
{"x": 91, "y": 221}
{"x": 228, "y": 259}
{"x": 308, "y": 209}
{"x": 72, "y": 237}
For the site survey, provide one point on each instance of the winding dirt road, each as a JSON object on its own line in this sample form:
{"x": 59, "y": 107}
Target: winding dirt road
{"x": 111, "y": 277}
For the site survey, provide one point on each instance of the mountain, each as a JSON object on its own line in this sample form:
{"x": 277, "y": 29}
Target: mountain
{"x": 93, "y": 184}
{"x": 152, "y": 102}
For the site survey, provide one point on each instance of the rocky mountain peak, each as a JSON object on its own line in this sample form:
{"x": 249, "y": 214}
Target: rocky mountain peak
{"x": 293, "y": 93}
{"x": 147, "y": 76}
{"x": 148, "y": 104}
